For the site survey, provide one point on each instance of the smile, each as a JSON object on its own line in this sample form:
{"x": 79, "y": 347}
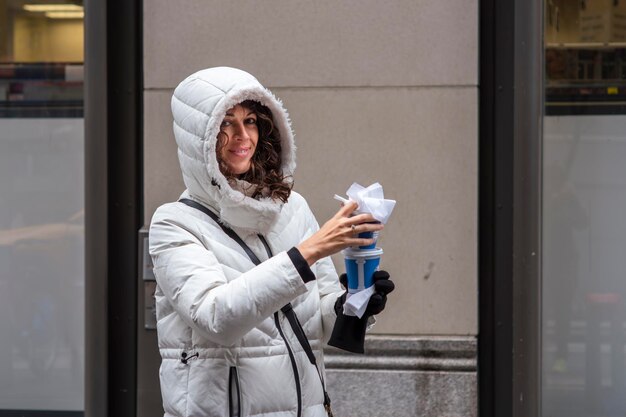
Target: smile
{"x": 240, "y": 152}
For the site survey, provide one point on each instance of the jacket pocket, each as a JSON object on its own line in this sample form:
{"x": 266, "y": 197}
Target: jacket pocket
{"x": 234, "y": 393}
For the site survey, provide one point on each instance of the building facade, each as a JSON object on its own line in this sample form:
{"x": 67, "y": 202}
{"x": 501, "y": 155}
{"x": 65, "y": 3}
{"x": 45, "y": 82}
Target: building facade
{"x": 383, "y": 92}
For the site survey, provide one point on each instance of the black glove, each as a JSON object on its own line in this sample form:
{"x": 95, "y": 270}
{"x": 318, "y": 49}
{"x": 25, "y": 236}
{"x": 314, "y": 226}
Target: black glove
{"x": 382, "y": 286}
{"x": 349, "y": 331}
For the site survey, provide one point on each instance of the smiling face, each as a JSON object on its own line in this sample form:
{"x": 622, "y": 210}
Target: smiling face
{"x": 237, "y": 139}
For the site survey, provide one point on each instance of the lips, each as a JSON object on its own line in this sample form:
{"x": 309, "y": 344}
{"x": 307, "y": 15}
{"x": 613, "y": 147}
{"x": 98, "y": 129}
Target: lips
{"x": 242, "y": 152}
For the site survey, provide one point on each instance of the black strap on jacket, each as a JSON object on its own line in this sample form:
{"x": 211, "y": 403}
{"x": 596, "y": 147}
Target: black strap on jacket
{"x": 230, "y": 232}
{"x": 286, "y": 309}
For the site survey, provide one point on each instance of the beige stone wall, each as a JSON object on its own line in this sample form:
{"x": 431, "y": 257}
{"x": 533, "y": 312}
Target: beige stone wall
{"x": 377, "y": 91}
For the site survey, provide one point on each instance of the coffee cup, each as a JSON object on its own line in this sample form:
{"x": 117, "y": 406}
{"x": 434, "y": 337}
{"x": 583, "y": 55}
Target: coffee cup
{"x": 360, "y": 267}
{"x": 369, "y": 235}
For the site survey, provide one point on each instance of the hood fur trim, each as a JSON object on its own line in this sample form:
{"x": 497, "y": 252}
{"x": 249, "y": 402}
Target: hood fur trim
{"x": 199, "y": 105}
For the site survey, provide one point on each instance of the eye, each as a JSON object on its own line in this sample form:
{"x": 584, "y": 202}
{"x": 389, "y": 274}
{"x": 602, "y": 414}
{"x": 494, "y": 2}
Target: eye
{"x": 225, "y": 123}
{"x": 251, "y": 120}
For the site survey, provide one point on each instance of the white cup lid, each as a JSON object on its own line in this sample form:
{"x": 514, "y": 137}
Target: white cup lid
{"x": 362, "y": 253}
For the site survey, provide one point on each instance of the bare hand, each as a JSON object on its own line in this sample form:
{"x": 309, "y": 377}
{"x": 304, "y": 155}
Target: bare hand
{"x": 339, "y": 233}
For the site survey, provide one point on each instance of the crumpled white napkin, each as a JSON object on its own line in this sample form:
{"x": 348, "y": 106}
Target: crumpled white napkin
{"x": 372, "y": 200}
{"x": 356, "y": 303}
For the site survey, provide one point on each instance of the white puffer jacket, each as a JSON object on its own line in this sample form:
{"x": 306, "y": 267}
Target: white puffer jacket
{"x": 219, "y": 334}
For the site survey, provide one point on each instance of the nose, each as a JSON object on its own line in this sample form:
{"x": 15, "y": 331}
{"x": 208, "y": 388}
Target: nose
{"x": 241, "y": 133}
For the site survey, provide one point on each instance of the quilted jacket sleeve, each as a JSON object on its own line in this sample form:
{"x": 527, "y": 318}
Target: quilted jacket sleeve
{"x": 327, "y": 281}
{"x": 193, "y": 281}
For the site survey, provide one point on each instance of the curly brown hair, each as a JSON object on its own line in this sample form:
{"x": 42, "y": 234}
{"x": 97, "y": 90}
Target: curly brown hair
{"x": 266, "y": 164}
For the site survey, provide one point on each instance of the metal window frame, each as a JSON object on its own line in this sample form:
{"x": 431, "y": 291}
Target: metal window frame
{"x": 511, "y": 112}
{"x": 113, "y": 203}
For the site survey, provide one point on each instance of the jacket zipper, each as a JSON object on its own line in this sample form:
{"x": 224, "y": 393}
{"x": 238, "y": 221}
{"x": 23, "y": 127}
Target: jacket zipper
{"x": 234, "y": 393}
{"x": 293, "y": 364}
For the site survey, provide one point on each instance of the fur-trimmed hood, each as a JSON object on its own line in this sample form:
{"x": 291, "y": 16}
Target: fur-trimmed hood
{"x": 199, "y": 105}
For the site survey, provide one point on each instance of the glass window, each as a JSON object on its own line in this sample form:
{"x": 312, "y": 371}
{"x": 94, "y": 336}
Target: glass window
{"x": 41, "y": 209}
{"x": 584, "y": 209}
{"x": 585, "y": 43}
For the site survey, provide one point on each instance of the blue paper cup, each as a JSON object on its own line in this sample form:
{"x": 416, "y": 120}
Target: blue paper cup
{"x": 369, "y": 235}
{"x": 360, "y": 267}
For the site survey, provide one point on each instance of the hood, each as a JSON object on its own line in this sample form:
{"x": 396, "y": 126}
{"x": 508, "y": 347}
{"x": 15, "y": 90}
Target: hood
{"x": 199, "y": 105}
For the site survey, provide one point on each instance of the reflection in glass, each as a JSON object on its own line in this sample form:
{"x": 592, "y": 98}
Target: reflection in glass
{"x": 584, "y": 262}
{"x": 584, "y": 209}
{"x": 41, "y": 267}
{"x": 41, "y": 209}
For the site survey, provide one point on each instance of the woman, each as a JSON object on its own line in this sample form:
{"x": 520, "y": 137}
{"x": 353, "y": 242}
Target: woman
{"x": 227, "y": 347}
